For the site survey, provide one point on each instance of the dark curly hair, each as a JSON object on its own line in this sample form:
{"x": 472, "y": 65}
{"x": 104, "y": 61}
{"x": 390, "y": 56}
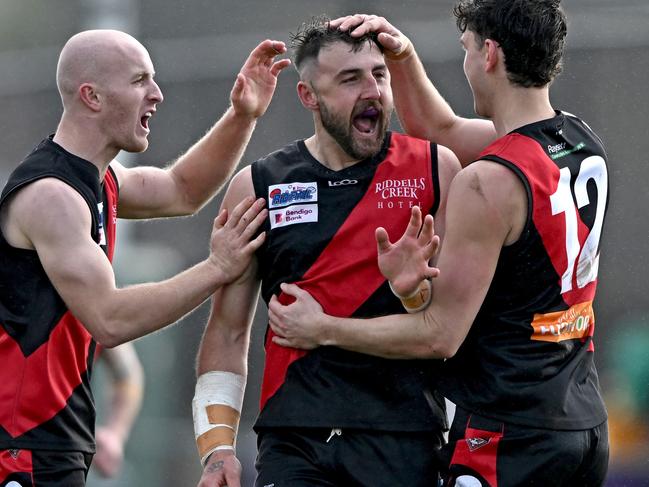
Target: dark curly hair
{"x": 316, "y": 34}
{"x": 531, "y": 34}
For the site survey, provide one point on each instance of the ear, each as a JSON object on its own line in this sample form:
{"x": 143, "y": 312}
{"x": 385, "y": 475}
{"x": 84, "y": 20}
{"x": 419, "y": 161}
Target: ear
{"x": 493, "y": 54}
{"x": 89, "y": 97}
{"x": 307, "y": 96}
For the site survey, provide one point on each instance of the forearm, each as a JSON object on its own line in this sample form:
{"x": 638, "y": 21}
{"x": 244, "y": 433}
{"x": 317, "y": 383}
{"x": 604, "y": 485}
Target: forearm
{"x": 125, "y": 405}
{"x": 209, "y": 163}
{"x": 406, "y": 336}
{"x": 424, "y": 113}
{"x": 131, "y": 312}
{"x": 422, "y": 110}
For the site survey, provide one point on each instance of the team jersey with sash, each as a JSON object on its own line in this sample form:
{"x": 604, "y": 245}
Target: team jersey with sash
{"x": 528, "y": 358}
{"x": 320, "y": 235}
{"x": 47, "y": 354}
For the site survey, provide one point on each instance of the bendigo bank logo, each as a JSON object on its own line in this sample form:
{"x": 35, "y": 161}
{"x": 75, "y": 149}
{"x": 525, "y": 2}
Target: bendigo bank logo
{"x": 399, "y": 193}
{"x": 575, "y": 322}
{"x": 292, "y": 203}
{"x": 288, "y": 194}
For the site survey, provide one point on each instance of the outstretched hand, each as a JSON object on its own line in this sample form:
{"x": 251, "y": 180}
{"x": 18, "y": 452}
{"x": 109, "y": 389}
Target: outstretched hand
{"x": 397, "y": 46}
{"x": 298, "y": 325}
{"x": 406, "y": 262}
{"x": 232, "y": 245}
{"x": 256, "y": 82}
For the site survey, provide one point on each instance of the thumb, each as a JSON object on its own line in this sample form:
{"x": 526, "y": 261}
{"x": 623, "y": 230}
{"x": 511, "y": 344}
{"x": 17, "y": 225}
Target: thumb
{"x": 391, "y": 43}
{"x": 382, "y": 240}
{"x": 221, "y": 218}
{"x": 239, "y": 85}
{"x": 291, "y": 289}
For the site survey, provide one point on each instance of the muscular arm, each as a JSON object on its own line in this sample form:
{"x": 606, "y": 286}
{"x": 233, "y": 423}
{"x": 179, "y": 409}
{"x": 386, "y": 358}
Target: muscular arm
{"x": 190, "y": 182}
{"x": 224, "y": 346}
{"x": 422, "y": 110}
{"x": 225, "y": 342}
{"x": 53, "y": 219}
{"x": 486, "y": 210}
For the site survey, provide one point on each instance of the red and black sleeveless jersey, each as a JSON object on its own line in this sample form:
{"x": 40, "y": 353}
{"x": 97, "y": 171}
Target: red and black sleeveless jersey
{"x": 47, "y": 354}
{"x": 320, "y": 235}
{"x": 528, "y": 358}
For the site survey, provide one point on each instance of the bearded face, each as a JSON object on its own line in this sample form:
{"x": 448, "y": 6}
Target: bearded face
{"x": 361, "y": 135}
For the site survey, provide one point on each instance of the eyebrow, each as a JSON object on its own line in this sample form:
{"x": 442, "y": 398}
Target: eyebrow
{"x": 144, "y": 74}
{"x": 347, "y": 72}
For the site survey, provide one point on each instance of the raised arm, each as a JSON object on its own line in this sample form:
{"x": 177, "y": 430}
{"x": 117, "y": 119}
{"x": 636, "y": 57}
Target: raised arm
{"x": 222, "y": 365}
{"x": 190, "y": 182}
{"x": 486, "y": 210}
{"x": 422, "y": 110}
{"x": 125, "y": 390}
{"x": 53, "y": 219}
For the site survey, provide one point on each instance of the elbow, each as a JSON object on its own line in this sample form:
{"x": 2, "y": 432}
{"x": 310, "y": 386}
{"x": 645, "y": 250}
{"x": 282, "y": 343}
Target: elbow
{"x": 447, "y": 350}
{"x": 107, "y": 334}
{"x": 439, "y": 342}
{"x": 434, "y": 349}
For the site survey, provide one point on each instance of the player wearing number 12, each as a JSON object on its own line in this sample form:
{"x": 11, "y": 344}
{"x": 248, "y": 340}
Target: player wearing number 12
{"x": 512, "y": 307}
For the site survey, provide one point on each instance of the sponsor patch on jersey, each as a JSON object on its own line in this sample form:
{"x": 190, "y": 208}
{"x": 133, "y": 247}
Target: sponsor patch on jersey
{"x": 280, "y": 195}
{"x": 575, "y": 322}
{"x": 292, "y": 215}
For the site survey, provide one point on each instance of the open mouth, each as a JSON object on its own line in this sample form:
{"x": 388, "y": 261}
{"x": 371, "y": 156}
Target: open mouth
{"x": 367, "y": 121}
{"x": 144, "y": 121}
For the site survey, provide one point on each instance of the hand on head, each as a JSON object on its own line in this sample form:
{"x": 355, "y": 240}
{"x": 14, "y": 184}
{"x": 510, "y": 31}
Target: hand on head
{"x": 397, "y": 46}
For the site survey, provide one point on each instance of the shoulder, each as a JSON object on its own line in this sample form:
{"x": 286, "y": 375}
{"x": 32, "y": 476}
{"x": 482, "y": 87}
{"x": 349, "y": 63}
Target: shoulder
{"x": 493, "y": 191}
{"x": 287, "y": 154}
{"x": 448, "y": 163}
{"x": 488, "y": 179}
{"x": 48, "y": 207}
{"x": 240, "y": 187}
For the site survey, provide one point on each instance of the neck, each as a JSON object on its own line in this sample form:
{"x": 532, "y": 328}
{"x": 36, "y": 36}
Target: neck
{"x": 521, "y": 106}
{"x": 327, "y": 151}
{"x": 84, "y": 140}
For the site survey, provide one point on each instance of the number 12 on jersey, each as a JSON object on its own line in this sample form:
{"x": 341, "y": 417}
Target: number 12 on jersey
{"x": 582, "y": 260}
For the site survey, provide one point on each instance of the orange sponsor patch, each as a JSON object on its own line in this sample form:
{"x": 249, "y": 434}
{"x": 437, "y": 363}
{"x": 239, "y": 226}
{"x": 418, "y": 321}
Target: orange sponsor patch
{"x": 572, "y": 323}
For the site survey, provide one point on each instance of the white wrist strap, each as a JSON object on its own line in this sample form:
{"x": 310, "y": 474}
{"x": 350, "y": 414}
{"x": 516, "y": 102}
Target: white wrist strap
{"x": 216, "y": 409}
{"x": 418, "y": 300}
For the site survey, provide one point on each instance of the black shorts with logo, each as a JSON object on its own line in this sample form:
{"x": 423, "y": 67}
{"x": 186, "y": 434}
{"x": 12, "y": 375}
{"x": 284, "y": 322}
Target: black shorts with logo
{"x": 486, "y": 452}
{"x": 350, "y": 458}
{"x": 40, "y": 468}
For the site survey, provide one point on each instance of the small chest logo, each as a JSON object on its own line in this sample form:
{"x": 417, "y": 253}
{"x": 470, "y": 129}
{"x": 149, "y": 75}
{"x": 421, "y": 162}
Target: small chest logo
{"x": 280, "y": 195}
{"x": 475, "y": 443}
{"x": 343, "y": 182}
{"x": 14, "y": 453}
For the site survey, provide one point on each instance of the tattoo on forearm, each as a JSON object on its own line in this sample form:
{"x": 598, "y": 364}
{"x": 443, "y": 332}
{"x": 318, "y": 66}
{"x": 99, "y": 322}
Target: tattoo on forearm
{"x": 214, "y": 467}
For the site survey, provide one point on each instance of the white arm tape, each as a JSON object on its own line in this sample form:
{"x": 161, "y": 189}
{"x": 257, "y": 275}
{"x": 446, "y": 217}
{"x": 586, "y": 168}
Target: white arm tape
{"x": 216, "y": 388}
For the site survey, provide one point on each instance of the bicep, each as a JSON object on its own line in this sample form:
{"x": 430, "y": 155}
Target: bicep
{"x": 146, "y": 192}
{"x": 475, "y": 233}
{"x": 448, "y": 166}
{"x": 467, "y": 137}
{"x": 57, "y": 221}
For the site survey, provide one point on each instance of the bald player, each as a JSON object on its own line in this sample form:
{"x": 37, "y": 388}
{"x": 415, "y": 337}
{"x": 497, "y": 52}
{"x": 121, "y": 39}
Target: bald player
{"x": 58, "y": 296}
